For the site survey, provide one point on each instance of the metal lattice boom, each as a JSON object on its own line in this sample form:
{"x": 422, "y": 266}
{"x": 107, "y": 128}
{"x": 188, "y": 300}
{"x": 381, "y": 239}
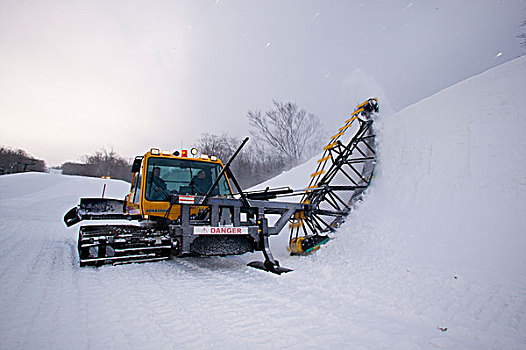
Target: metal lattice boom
{"x": 343, "y": 172}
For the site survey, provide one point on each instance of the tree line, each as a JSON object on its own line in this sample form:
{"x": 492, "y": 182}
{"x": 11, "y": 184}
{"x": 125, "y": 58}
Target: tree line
{"x": 103, "y": 163}
{"x": 282, "y": 138}
{"x": 17, "y": 161}
{"x": 251, "y": 166}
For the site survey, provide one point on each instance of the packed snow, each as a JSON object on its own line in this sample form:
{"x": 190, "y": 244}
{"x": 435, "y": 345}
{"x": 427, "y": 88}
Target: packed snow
{"x": 433, "y": 257}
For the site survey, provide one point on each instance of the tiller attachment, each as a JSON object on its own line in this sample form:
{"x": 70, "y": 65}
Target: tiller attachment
{"x": 343, "y": 173}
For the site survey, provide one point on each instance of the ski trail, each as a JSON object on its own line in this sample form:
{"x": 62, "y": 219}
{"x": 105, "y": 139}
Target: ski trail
{"x": 432, "y": 258}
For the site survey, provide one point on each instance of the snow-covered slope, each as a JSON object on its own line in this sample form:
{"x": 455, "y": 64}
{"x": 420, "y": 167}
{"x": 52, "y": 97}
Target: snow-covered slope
{"x": 432, "y": 257}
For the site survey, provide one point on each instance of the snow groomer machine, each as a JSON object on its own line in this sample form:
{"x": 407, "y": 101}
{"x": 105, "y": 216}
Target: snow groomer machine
{"x": 186, "y": 204}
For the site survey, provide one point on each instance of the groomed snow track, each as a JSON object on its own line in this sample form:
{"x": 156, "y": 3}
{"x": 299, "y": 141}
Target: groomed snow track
{"x": 432, "y": 258}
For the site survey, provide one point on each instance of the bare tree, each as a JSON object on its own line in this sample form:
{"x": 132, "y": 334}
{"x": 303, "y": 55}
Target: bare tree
{"x": 222, "y": 146}
{"x": 252, "y": 165}
{"x": 101, "y": 163}
{"x": 288, "y": 130}
{"x": 285, "y": 135}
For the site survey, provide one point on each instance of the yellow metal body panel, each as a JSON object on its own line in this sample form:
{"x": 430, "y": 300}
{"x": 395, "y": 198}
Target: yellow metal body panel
{"x": 330, "y": 146}
{"x": 324, "y": 159}
{"x": 355, "y": 116}
{"x": 148, "y": 209}
{"x": 317, "y": 173}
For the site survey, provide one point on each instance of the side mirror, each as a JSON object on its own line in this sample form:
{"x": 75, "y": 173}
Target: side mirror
{"x": 136, "y": 167}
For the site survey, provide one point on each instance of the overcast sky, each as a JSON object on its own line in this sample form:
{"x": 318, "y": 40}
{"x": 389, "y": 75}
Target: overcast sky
{"x": 76, "y": 76}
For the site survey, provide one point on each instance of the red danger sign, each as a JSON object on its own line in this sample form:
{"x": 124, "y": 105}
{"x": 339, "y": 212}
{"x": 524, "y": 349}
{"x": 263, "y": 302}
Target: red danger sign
{"x": 221, "y": 230}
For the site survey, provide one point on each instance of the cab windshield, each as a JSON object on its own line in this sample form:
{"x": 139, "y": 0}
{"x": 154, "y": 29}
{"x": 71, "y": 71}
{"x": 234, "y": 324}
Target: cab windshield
{"x": 167, "y": 176}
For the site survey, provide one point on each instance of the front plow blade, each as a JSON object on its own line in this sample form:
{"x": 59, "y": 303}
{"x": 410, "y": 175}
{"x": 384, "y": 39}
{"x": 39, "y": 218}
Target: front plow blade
{"x": 71, "y": 217}
{"x": 98, "y": 209}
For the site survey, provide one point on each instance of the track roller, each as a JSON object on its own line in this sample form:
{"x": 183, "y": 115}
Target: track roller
{"x": 112, "y": 244}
